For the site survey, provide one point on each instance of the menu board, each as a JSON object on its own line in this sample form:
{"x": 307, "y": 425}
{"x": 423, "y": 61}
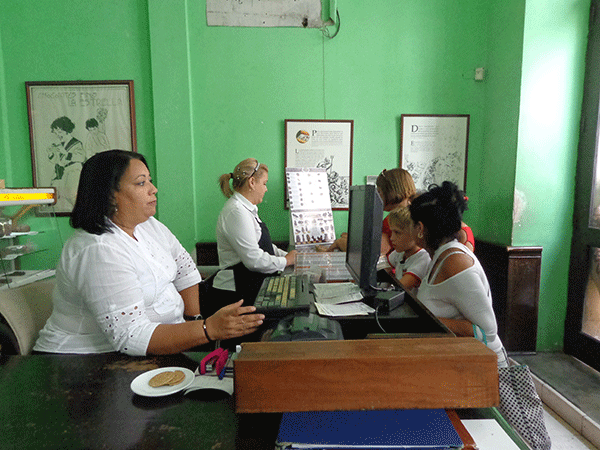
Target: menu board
{"x": 310, "y": 207}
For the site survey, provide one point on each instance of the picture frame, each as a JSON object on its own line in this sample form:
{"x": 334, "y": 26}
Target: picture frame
{"x": 69, "y": 121}
{"x": 323, "y": 144}
{"x": 434, "y": 148}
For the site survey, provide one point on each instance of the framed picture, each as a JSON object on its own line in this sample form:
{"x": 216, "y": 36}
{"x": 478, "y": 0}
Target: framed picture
{"x": 434, "y": 148}
{"x": 69, "y": 121}
{"x": 323, "y": 144}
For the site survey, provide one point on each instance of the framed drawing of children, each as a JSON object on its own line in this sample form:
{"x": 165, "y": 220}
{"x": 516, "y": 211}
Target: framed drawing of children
{"x": 69, "y": 121}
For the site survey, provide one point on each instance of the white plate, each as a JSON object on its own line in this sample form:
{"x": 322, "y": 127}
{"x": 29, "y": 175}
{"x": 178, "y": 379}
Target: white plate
{"x": 141, "y": 387}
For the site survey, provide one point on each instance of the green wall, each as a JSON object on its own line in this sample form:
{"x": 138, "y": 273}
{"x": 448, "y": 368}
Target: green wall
{"x": 244, "y": 82}
{"x": 208, "y": 97}
{"x": 43, "y": 40}
{"x": 554, "y": 46}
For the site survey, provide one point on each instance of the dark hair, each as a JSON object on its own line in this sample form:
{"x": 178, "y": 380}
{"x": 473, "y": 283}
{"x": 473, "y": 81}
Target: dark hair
{"x": 99, "y": 180}
{"x": 91, "y": 123}
{"x": 440, "y": 209}
{"x": 64, "y": 123}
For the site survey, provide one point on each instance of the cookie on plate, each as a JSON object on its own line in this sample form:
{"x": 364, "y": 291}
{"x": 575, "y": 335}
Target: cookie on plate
{"x": 178, "y": 377}
{"x": 162, "y": 379}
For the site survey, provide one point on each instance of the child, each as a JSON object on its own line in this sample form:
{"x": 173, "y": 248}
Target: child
{"x": 409, "y": 260}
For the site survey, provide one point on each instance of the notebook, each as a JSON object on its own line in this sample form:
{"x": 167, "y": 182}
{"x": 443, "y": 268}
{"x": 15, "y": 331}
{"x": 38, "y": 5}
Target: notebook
{"x": 376, "y": 429}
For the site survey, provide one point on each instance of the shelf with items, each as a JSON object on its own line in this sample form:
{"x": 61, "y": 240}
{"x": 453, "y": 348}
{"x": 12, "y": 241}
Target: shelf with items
{"x": 26, "y": 235}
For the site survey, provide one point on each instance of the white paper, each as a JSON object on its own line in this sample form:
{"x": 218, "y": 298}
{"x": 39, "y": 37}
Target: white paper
{"x": 211, "y": 382}
{"x": 335, "y": 293}
{"x": 489, "y": 435}
{"x": 345, "y": 309}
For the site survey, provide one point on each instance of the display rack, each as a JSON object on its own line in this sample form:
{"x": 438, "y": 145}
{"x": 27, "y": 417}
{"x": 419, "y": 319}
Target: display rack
{"x": 26, "y": 237}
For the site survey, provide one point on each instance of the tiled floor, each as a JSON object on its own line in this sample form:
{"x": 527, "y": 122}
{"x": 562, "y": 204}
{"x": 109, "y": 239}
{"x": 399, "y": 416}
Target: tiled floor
{"x": 571, "y": 393}
{"x": 563, "y": 436}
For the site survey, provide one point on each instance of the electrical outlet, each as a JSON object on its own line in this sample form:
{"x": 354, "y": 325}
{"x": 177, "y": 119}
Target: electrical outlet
{"x": 479, "y": 74}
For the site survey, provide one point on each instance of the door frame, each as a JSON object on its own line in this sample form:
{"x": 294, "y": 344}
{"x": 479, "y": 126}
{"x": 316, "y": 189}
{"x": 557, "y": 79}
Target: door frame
{"x": 576, "y": 343}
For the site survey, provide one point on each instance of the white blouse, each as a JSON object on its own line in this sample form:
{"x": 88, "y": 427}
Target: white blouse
{"x": 112, "y": 291}
{"x": 466, "y": 295}
{"x": 238, "y": 233}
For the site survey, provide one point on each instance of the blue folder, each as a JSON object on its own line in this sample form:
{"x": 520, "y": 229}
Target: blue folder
{"x": 380, "y": 429}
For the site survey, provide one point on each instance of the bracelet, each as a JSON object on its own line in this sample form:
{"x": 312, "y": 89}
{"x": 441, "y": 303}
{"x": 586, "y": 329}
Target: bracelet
{"x": 196, "y": 317}
{"x": 206, "y": 332}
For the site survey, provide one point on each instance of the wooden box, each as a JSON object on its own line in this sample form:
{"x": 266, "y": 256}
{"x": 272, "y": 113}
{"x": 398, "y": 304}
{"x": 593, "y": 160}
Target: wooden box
{"x": 420, "y": 373}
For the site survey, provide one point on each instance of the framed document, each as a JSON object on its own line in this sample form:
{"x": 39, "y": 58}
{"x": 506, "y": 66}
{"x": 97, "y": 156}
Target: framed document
{"x": 69, "y": 121}
{"x": 323, "y": 144}
{"x": 434, "y": 148}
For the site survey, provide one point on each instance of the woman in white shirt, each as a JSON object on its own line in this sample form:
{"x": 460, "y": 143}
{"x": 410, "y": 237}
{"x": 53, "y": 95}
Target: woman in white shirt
{"x": 455, "y": 288}
{"x": 124, "y": 282}
{"x": 246, "y": 253}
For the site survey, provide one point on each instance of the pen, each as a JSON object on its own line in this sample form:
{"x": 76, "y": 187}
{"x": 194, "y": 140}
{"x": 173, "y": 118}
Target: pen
{"x": 225, "y": 368}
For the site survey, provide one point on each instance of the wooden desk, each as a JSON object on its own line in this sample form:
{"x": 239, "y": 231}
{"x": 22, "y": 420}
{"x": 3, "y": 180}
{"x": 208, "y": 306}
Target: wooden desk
{"x": 84, "y": 401}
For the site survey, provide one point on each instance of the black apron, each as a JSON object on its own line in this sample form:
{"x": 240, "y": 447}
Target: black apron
{"x": 248, "y": 282}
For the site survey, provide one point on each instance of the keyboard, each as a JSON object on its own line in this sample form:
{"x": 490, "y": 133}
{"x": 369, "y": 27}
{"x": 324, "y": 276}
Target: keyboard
{"x": 283, "y": 295}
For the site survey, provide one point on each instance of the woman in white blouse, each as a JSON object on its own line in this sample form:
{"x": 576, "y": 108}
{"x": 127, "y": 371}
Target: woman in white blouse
{"x": 455, "y": 288}
{"x": 124, "y": 282}
{"x": 246, "y": 253}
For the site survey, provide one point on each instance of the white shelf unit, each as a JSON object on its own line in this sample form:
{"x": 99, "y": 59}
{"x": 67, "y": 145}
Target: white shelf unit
{"x": 19, "y": 236}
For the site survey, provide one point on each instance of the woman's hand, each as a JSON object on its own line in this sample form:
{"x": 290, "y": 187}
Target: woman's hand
{"x": 233, "y": 321}
{"x": 290, "y": 258}
{"x": 340, "y": 243}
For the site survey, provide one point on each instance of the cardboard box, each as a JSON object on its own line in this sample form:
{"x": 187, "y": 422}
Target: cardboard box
{"x": 421, "y": 373}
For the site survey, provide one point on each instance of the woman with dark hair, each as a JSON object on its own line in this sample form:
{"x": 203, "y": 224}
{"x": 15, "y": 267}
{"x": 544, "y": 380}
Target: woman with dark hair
{"x": 124, "y": 282}
{"x": 455, "y": 288}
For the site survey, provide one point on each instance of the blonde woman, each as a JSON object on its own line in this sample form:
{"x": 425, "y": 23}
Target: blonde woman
{"x": 246, "y": 253}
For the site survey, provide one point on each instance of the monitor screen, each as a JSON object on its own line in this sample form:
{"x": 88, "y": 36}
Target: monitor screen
{"x": 365, "y": 218}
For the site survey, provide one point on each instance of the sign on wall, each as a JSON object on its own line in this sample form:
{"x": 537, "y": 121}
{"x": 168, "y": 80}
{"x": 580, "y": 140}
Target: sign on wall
{"x": 265, "y": 13}
{"x": 323, "y": 144}
{"x": 434, "y": 148}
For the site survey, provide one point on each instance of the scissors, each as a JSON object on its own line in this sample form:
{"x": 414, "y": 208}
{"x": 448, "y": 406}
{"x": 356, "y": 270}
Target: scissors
{"x": 218, "y": 358}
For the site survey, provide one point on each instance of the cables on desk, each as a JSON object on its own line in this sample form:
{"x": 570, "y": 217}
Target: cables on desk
{"x": 377, "y": 318}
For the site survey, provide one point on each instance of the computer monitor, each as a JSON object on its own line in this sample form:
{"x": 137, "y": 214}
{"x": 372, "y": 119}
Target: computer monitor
{"x": 365, "y": 217}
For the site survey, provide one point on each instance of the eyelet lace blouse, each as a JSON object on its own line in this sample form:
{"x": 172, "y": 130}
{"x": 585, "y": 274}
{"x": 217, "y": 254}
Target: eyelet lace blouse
{"x": 112, "y": 291}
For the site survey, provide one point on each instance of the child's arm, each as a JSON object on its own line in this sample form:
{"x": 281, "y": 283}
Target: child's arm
{"x": 409, "y": 281}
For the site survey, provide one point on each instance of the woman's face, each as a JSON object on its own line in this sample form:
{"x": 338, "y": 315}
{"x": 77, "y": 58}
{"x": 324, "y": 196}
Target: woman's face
{"x": 136, "y": 197}
{"x": 260, "y": 187}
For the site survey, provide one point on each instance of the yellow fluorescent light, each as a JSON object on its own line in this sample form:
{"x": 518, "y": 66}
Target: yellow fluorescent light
{"x": 26, "y": 197}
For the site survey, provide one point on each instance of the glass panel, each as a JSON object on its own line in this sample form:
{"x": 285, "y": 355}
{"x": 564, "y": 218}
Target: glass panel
{"x": 590, "y": 323}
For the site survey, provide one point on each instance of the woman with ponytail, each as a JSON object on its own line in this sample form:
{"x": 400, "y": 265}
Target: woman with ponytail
{"x": 246, "y": 253}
